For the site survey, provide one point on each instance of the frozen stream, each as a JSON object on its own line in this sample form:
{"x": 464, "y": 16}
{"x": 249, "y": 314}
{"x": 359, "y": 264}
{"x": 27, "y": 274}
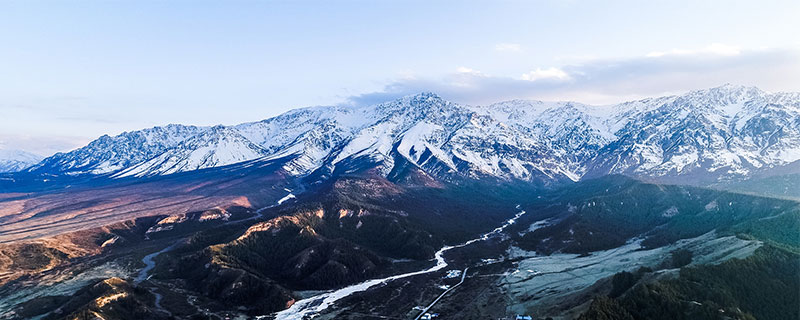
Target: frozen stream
{"x": 310, "y": 307}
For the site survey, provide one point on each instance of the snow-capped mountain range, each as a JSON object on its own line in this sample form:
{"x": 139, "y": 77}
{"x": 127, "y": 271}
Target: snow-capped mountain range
{"x": 16, "y": 160}
{"x": 726, "y": 132}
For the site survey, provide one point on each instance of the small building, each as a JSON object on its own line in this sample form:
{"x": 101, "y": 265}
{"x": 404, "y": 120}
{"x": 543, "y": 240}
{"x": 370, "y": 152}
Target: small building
{"x": 523, "y": 317}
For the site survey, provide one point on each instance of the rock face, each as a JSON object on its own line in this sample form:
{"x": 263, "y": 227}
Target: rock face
{"x": 16, "y": 160}
{"x": 717, "y": 134}
{"x": 720, "y": 133}
{"x": 113, "y": 154}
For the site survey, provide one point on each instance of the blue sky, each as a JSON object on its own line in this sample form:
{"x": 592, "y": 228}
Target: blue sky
{"x": 71, "y": 70}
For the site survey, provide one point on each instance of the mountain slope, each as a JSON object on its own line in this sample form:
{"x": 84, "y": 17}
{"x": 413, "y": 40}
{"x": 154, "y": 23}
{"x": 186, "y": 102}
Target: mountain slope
{"x": 16, "y": 160}
{"x": 715, "y": 134}
{"x": 112, "y": 154}
{"x": 725, "y": 133}
{"x": 217, "y": 146}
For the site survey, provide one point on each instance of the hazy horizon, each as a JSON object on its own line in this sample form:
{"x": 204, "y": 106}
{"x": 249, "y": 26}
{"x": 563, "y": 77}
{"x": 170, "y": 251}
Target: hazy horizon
{"x": 76, "y": 72}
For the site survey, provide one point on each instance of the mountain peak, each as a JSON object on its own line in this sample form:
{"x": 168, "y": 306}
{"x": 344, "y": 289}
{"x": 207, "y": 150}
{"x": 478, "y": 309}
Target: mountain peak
{"x": 728, "y": 91}
{"x": 522, "y": 139}
{"x": 423, "y": 104}
{"x": 16, "y": 160}
{"x": 425, "y": 95}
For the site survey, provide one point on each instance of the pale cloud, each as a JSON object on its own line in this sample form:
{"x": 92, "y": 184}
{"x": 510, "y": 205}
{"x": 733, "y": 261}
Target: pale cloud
{"x": 602, "y": 81}
{"x": 508, "y": 47}
{"x": 551, "y": 73}
{"x": 41, "y": 145}
{"x": 712, "y": 49}
{"x": 465, "y": 77}
{"x": 464, "y": 70}
{"x": 407, "y": 74}
{"x": 467, "y": 70}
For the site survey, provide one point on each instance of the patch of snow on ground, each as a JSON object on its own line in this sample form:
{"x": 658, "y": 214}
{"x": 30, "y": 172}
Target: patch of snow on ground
{"x": 672, "y": 211}
{"x": 453, "y": 274}
{"x": 63, "y": 284}
{"x": 286, "y": 198}
{"x": 711, "y": 205}
{"x": 539, "y": 224}
{"x": 560, "y": 275}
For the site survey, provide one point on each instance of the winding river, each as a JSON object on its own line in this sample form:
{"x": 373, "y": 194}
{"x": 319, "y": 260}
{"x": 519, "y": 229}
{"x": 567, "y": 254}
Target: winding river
{"x": 149, "y": 262}
{"x": 311, "y": 307}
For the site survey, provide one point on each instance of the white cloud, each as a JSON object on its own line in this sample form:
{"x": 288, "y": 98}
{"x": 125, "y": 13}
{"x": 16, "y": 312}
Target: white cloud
{"x": 465, "y": 77}
{"x": 508, "y": 47}
{"x": 612, "y": 80}
{"x": 712, "y": 49}
{"x": 468, "y": 70}
{"x": 551, "y": 73}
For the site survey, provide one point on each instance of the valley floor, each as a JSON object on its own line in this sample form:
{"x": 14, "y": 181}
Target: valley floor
{"x": 520, "y": 282}
{"x": 564, "y": 255}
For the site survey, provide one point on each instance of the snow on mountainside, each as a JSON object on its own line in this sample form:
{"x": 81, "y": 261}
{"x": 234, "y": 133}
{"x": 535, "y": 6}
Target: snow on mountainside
{"x": 16, "y": 160}
{"x": 214, "y": 147}
{"x": 719, "y": 133}
{"x": 112, "y": 154}
{"x": 572, "y": 131}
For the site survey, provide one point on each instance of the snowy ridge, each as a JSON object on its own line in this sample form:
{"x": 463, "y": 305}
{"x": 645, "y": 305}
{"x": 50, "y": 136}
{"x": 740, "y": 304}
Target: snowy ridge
{"x": 211, "y": 148}
{"x": 112, "y": 154}
{"x": 16, "y": 160}
{"x": 725, "y": 132}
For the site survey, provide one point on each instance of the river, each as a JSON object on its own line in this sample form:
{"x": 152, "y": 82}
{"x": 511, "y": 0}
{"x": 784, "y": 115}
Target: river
{"x": 311, "y": 307}
{"x": 149, "y": 262}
